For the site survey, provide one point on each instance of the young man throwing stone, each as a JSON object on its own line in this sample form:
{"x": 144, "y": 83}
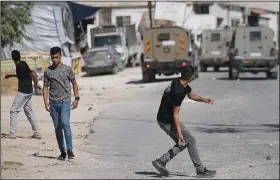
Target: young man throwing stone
{"x": 58, "y": 100}
{"x": 23, "y": 97}
{"x": 168, "y": 120}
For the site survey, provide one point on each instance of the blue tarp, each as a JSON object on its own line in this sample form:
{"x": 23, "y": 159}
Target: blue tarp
{"x": 80, "y": 11}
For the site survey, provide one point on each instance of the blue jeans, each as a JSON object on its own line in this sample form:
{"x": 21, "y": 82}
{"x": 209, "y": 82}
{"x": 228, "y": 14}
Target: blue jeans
{"x": 60, "y": 113}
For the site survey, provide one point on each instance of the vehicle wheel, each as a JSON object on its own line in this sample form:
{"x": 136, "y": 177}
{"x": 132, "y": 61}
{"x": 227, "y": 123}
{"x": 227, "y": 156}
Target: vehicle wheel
{"x": 123, "y": 65}
{"x": 235, "y": 74}
{"x": 89, "y": 74}
{"x": 196, "y": 74}
{"x": 115, "y": 70}
{"x": 152, "y": 76}
{"x": 230, "y": 71}
{"x": 216, "y": 68}
{"x": 120, "y": 67}
{"x": 203, "y": 67}
{"x": 146, "y": 77}
{"x": 272, "y": 75}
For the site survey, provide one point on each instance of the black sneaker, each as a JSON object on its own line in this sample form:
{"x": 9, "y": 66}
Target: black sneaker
{"x": 62, "y": 156}
{"x": 161, "y": 167}
{"x": 206, "y": 173}
{"x": 70, "y": 154}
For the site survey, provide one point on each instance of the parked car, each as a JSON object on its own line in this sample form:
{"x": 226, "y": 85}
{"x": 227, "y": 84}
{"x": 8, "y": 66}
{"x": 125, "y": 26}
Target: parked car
{"x": 102, "y": 60}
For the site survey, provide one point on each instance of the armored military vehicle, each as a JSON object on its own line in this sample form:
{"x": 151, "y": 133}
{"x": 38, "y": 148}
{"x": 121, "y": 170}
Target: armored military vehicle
{"x": 167, "y": 50}
{"x": 252, "y": 49}
{"x": 214, "y": 50}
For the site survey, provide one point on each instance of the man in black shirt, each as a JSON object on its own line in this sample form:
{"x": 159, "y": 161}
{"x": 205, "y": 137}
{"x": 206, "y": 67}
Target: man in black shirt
{"x": 23, "y": 96}
{"x": 168, "y": 120}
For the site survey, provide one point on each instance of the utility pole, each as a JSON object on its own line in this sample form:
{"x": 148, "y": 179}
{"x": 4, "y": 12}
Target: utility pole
{"x": 150, "y": 13}
{"x": 228, "y": 15}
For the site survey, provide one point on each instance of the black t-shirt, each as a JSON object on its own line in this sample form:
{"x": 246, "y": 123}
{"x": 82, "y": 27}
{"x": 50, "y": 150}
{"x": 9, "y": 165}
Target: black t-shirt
{"x": 24, "y": 78}
{"x": 173, "y": 95}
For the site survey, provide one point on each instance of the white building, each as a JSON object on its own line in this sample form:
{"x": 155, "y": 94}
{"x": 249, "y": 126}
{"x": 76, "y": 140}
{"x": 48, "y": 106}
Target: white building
{"x": 198, "y": 16}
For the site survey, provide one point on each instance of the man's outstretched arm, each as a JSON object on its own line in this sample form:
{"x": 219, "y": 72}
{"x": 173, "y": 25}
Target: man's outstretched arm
{"x": 198, "y": 98}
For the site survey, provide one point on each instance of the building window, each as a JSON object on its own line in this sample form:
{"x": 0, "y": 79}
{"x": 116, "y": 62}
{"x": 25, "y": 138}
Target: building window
{"x": 123, "y": 20}
{"x": 263, "y": 21}
{"x": 234, "y": 22}
{"x": 219, "y": 22}
{"x": 201, "y": 8}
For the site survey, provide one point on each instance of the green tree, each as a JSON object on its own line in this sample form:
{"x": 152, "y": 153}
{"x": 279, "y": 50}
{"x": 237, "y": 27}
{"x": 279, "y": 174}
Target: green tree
{"x": 14, "y": 18}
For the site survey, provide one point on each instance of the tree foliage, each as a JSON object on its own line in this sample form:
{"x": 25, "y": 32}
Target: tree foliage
{"x": 14, "y": 18}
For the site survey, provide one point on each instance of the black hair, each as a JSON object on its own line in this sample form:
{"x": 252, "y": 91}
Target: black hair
{"x": 55, "y": 50}
{"x": 15, "y": 55}
{"x": 83, "y": 50}
{"x": 187, "y": 73}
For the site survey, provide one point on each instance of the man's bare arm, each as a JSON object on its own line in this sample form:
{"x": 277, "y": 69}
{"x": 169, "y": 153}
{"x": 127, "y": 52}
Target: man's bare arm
{"x": 176, "y": 111}
{"x": 46, "y": 96}
{"x": 198, "y": 98}
{"x": 195, "y": 97}
{"x": 76, "y": 94}
{"x": 75, "y": 88}
{"x": 10, "y": 76}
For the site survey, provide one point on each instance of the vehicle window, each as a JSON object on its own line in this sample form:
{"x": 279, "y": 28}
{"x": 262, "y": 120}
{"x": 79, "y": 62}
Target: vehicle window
{"x": 98, "y": 54}
{"x": 163, "y": 37}
{"x": 100, "y": 41}
{"x": 215, "y": 37}
{"x": 255, "y": 36}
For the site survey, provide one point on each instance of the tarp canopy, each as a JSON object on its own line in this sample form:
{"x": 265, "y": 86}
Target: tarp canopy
{"x": 52, "y": 25}
{"x": 81, "y": 12}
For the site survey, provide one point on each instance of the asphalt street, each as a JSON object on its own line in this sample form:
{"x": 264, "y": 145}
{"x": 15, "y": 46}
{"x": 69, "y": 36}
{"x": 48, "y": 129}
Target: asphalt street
{"x": 235, "y": 136}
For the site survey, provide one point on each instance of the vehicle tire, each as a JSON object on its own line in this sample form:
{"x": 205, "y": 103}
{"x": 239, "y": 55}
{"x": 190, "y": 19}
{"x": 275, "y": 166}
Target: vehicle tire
{"x": 235, "y": 74}
{"x": 196, "y": 73}
{"x": 229, "y": 71}
{"x": 123, "y": 65}
{"x": 146, "y": 77}
{"x": 152, "y": 76}
{"x": 203, "y": 67}
{"x": 115, "y": 70}
{"x": 272, "y": 75}
{"x": 89, "y": 74}
{"x": 216, "y": 68}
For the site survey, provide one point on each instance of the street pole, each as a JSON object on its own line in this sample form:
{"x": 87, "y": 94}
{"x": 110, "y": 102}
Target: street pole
{"x": 184, "y": 19}
{"x": 150, "y": 13}
{"x": 228, "y": 15}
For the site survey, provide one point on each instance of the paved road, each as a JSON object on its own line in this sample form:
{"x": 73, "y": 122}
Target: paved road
{"x": 234, "y": 136}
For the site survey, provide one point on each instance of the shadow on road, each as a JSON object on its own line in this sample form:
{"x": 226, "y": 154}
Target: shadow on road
{"x": 97, "y": 74}
{"x": 245, "y": 79}
{"x": 158, "y": 175}
{"x": 154, "y": 81}
{"x": 212, "y": 71}
{"x": 47, "y": 157}
{"x": 223, "y": 128}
